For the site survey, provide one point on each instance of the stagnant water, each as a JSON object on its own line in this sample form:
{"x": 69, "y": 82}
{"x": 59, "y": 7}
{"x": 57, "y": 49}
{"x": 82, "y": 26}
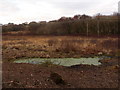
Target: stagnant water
{"x": 63, "y": 61}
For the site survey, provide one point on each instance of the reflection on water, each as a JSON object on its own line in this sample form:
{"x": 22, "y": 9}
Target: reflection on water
{"x": 62, "y": 61}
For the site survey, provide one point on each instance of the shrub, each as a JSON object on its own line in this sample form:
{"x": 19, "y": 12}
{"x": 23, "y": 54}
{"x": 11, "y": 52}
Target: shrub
{"x": 48, "y": 63}
{"x": 52, "y": 42}
{"x": 68, "y": 46}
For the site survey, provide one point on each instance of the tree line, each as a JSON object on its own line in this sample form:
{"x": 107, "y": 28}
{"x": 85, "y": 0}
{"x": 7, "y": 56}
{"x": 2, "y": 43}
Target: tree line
{"x": 77, "y": 25}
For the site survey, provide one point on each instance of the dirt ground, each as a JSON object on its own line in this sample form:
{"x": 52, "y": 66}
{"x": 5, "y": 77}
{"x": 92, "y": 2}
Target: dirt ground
{"x": 79, "y": 76}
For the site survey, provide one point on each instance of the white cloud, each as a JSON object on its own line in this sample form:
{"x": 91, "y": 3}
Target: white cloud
{"x": 7, "y": 8}
{"x": 18, "y": 11}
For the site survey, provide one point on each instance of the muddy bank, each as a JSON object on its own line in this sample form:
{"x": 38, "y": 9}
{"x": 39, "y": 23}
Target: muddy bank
{"x": 80, "y": 76}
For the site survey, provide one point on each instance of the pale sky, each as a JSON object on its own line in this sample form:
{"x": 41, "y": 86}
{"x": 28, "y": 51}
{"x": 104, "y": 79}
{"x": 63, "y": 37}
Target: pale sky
{"x": 19, "y": 11}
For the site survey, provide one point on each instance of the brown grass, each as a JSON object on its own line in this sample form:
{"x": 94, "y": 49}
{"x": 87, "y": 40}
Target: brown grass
{"x": 56, "y": 46}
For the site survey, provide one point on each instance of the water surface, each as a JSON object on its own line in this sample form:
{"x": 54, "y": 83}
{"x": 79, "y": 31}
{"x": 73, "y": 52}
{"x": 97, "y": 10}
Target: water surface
{"x": 62, "y": 61}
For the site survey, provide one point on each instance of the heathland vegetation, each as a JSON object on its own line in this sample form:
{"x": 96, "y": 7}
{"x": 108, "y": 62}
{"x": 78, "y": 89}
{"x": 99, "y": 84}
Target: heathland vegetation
{"x": 68, "y": 37}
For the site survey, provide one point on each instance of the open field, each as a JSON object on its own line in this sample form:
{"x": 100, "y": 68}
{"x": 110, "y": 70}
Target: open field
{"x": 81, "y": 76}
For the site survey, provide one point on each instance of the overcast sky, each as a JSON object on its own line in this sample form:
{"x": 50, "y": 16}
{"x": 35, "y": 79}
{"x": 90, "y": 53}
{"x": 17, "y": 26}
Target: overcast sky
{"x": 19, "y": 11}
